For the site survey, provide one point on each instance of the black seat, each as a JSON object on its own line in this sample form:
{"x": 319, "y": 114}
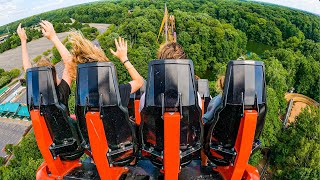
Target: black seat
{"x": 204, "y": 91}
{"x": 98, "y": 91}
{"x": 42, "y": 94}
{"x": 171, "y": 88}
{"x": 244, "y": 89}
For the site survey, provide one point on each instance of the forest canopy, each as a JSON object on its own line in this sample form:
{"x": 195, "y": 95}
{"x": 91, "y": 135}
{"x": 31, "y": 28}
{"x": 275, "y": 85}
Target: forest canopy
{"x": 212, "y": 32}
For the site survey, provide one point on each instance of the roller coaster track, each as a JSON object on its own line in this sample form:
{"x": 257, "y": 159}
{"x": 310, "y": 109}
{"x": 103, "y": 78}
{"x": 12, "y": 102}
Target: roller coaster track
{"x": 293, "y": 98}
{"x": 301, "y": 98}
{"x": 168, "y": 27}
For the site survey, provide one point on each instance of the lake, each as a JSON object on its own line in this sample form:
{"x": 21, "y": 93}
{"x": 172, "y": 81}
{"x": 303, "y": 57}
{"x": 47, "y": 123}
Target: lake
{"x": 257, "y": 48}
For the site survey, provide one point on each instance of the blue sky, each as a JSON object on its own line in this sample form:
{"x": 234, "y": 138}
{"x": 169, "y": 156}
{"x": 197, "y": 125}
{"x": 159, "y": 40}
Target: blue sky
{"x": 12, "y": 10}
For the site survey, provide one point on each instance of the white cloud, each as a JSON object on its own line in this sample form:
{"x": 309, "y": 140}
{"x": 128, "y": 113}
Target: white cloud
{"x": 47, "y": 5}
{"x": 312, "y": 6}
{"x": 12, "y": 10}
{"x": 8, "y": 8}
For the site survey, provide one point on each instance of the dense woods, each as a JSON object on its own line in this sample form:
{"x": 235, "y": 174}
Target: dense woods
{"x": 212, "y": 32}
{"x": 7, "y": 76}
{"x": 296, "y": 155}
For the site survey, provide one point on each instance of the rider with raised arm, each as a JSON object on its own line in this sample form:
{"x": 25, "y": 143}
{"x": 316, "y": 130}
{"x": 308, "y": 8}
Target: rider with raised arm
{"x": 63, "y": 85}
{"x": 84, "y": 51}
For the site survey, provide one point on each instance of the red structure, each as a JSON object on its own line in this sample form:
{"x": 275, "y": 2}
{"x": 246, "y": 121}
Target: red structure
{"x": 241, "y": 169}
{"x": 169, "y": 131}
{"x": 51, "y": 168}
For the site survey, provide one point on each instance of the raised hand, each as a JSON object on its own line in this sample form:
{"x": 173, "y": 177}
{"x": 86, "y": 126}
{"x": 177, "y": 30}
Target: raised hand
{"x": 22, "y": 34}
{"x": 122, "y": 49}
{"x": 47, "y": 30}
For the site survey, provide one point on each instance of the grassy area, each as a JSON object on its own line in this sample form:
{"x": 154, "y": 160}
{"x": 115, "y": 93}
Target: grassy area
{"x": 12, "y": 83}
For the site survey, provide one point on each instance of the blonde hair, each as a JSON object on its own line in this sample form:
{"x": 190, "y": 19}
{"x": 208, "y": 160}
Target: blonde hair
{"x": 44, "y": 62}
{"x": 171, "y": 50}
{"x": 220, "y": 83}
{"x": 83, "y": 51}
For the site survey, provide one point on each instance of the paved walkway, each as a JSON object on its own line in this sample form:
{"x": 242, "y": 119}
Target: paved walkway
{"x": 12, "y": 58}
{"x": 101, "y": 27}
{"x": 11, "y": 132}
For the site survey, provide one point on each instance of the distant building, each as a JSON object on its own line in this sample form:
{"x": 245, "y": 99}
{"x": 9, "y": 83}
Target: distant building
{"x": 3, "y": 38}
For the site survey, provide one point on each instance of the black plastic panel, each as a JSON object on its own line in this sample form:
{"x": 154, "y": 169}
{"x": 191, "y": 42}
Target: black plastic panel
{"x": 41, "y": 84}
{"x": 98, "y": 91}
{"x": 244, "y": 88}
{"x": 171, "y": 78}
{"x": 96, "y": 82}
{"x": 245, "y": 77}
{"x": 41, "y": 93}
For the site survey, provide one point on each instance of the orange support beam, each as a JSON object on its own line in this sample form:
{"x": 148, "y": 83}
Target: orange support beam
{"x": 202, "y": 101}
{"x": 99, "y": 147}
{"x": 171, "y": 145}
{"x": 243, "y": 147}
{"x": 56, "y": 167}
{"x": 251, "y": 173}
{"x": 137, "y": 112}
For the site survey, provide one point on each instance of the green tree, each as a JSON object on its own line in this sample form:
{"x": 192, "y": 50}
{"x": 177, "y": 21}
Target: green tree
{"x": 14, "y": 73}
{"x": 9, "y": 149}
{"x": 37, "y": 58}
{"x": 14, "y": 41}
{"x": 298, "y": 150}
{"x": 308, "y": 78}
{"x": 56, "y": 57}
{"x": 25, "y": 162}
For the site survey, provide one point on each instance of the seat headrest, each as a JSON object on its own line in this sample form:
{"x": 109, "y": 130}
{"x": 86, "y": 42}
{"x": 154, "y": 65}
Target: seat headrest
{"x": 97, "y": 85}
{"x": 247, "y": 78}
{"x": 171, "y": 77}
{"x": 41, "y": 86}
{"x": 203, "y": 87}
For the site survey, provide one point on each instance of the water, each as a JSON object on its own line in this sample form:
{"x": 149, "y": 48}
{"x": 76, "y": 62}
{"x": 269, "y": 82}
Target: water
{"x": 257, "y": 48}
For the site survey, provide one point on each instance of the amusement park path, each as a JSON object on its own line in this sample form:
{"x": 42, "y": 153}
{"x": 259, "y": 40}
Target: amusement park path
{"x": 11, "y": 132}
{"x": 12, "y": 58}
